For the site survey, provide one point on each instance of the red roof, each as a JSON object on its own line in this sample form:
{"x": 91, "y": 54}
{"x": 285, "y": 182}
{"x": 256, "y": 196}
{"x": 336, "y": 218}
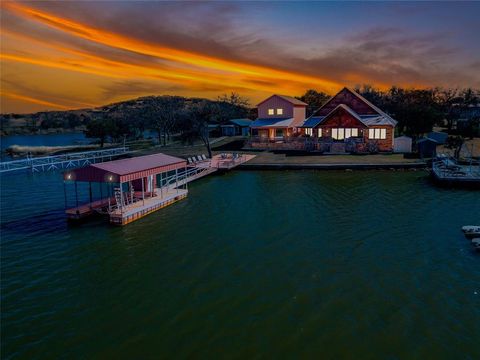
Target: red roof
{"x": 127, "y": 169}
{"x": 136, "y": 164}
{"x": 290, "y": 99}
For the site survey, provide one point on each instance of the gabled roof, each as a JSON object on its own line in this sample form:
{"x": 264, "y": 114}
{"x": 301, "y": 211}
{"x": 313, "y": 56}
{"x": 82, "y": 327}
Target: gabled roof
{"x": 347, "y": 109}
{"x": 422, "y": 140}
{"x": 382, "y": 119}
{"x": 241, "y": 122}
{"x": 378, "y": 120}
{"x": 272, "y": 122}
{"x": 290, "y": 99}
{"x": 311, "y": 122}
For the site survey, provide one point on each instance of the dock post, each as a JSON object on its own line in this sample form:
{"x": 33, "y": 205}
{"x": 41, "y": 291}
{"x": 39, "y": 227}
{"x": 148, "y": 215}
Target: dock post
{"x": 161, "y": 185}
{"x": 130, "y": 188}
{"x": 90, "y": 193}
{"x": 76, "y": 195}
{"x": 176, "y": 179}
{"x": 121, "y": 199}
{"x": 65, "y": 193}
{"x": 143, "y": 192}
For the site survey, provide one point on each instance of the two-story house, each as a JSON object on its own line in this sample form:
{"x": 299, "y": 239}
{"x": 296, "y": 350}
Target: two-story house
{"x": 279, "y": 116}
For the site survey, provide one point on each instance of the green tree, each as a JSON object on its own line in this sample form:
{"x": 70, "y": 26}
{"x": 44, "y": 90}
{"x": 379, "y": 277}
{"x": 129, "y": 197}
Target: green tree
{"x": 98, "y": 128}
{"x": 315, "y": 99}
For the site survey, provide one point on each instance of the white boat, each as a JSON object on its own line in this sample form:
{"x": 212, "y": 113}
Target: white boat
{"x": 476, "y": 243}
{"x": 471, "y": 231}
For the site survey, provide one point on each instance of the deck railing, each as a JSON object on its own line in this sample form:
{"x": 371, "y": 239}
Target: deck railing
{"x": 323, "y": 144}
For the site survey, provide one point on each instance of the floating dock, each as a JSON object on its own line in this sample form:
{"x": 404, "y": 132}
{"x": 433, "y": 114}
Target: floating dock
{"x": 136, "y": 187}
{"x": 447, "y": 170}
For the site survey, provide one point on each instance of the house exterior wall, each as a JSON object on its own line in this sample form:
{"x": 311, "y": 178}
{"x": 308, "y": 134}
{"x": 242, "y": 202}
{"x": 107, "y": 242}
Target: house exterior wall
{"x": 298, "y": 115}
{"x": 275, "y": 103}
{"x": 341, "y": 119}
{"x": 383, "y": 144}
{"x": 346, "y": 97}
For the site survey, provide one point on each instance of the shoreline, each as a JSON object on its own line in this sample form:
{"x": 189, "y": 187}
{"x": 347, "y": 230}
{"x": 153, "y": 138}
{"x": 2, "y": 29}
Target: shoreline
{"x": 346, "y": 166}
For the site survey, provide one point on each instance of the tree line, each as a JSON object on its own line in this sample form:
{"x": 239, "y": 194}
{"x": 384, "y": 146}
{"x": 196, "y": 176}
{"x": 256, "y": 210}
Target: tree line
{"x": 418, "y": 110}
{"x": 164, "y": 116}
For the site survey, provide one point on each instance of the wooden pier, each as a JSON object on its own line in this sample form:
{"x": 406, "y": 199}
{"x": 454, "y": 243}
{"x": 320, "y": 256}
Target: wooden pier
{"x": 161, "y": 178}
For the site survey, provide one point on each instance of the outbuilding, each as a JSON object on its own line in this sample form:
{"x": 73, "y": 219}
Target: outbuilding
{"x": 402, "y": 144}
{"x": 236, "y": 127}
{"x": 427, "y": 148}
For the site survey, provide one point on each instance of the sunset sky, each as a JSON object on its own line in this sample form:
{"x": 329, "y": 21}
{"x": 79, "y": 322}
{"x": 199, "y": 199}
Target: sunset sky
{"x": 68, "y": 55}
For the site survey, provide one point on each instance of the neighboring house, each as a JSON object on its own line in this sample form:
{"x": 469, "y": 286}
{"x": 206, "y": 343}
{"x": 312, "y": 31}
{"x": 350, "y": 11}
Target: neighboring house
{"x": 349, "y": 122}
{"x": 236, "y": 127}
{"x": 439, "y": 137}
{"x": 278, "y": 117}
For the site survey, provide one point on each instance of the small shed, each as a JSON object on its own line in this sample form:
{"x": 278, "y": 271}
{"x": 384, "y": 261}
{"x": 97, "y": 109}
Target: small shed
{"x": 438, "y": 136}
{"x": 236, "y": 127}
{"x": 402, "y": 144}
{"x": 427, "y": 148}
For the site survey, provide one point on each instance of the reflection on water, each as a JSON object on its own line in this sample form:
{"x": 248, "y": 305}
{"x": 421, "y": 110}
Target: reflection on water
{"x": 274, "y": 264}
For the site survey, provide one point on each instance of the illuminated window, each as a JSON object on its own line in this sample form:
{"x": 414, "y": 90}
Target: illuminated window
{"x": 279, "y": 111}
{"x": 271, "y": 112}
{"x": 308, "y": 131}
{"x": 340, "y": 133}
{"x": 377, "y": 134}
{"x": 319, "y": 132}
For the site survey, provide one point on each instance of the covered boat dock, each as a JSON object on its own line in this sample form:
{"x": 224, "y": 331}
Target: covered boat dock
{"x": 129, "y": 188}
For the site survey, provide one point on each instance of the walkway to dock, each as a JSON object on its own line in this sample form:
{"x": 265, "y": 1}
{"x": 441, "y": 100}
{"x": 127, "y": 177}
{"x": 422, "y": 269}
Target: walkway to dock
{"x": 63, "y": 161}
{"x": 141, "y": 173}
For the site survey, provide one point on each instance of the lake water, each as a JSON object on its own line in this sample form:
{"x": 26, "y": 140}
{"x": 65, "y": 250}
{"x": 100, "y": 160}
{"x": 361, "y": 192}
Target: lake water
{"x": 41, "y": 140}
{"x": 272, "y": 264}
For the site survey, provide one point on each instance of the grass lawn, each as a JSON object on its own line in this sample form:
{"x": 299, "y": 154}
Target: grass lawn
{"x": 271, "y": 158}
{"x": 229, "y": 144}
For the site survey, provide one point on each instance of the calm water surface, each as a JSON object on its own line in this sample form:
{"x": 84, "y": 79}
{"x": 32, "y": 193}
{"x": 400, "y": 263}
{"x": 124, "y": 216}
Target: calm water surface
{"x": 273, "y": 264}
{"x": 40, "y": 140}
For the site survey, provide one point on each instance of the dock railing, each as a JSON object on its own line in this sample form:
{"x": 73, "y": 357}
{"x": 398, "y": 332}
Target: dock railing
{"x": 63, "y": 161}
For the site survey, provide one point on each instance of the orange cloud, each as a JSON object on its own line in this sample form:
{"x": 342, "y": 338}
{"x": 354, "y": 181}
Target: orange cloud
{"x": 179, "y": 56}
{"x": 33, "y": 100}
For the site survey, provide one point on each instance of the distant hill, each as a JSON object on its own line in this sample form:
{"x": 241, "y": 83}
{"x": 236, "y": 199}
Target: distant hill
{"x": 77, "y": 120}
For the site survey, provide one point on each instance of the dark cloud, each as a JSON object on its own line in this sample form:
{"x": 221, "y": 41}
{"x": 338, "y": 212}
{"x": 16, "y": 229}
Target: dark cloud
{"x": 135, "y": 88}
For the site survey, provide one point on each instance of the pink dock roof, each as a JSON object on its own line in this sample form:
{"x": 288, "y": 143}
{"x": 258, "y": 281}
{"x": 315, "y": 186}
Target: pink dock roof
{"x": 126, "y": 169}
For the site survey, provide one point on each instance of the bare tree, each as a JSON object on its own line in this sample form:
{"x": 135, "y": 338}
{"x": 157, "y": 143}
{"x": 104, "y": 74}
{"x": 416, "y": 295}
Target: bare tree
{"x": 162, "y": 113}
{"x": 197, "y": 117}
{"x": 234, "y": 99}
